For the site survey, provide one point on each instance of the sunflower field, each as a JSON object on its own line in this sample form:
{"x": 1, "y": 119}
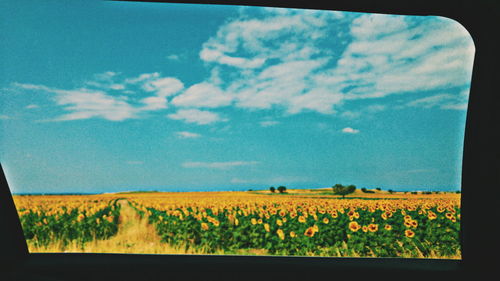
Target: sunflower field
{"x": 294, "y": 225}
{"x": 66, "y": 218}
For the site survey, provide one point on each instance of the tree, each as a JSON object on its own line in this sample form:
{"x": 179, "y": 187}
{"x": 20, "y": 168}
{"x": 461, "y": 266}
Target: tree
{"x": 366, "y": 190}
{"x": 281, "y": 189}
{"x": 272, "y": 189}
{"x": 343, "y": 190}
{"x": 390, "y": 191}
{"x": 378, "y": 188}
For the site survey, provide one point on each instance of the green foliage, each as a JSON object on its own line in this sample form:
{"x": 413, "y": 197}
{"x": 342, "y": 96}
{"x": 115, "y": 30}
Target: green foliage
{"x": 42, "y": 229}
{"x": 439, "y": 236}
{"x": 281, "y": 189}
{"x": 272, "y": 189}
{"x": 343, "y": 190}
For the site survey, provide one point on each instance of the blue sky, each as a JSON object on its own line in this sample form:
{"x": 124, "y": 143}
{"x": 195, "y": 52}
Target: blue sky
{"x": 103, "y": 97}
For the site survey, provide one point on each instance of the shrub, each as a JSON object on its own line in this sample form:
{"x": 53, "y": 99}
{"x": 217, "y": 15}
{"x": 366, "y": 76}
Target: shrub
{"x": 343, "y": 190}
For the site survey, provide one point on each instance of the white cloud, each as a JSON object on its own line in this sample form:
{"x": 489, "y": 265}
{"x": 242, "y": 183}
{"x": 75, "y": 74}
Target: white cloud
{"x": 142, "y": 77}
{"x": 203, "y": 95}
{"x": 386, "y": 55}
{"x": 238, "y": 180}
{"x": 5, "y": 117}
{"x": 164, "y": 87}
{"x": 443, "y": 101}
{"x": 173, "y": 57}
{"x": 135, "y": 162}
{"x": 349, "y": 130}
{"x": 32, "y": 106}
{"x": 429, "y": 102}
{"x": 154, "y": 103}
{"x": 106, "y": 81}
{"x": 187, "y": 135}
{"x": 197, "y": 116}
{"x": 218, "y": 165}
{"x": 84, "y": 103}
{"x": 404, "y": 57}
{"x": 269, "y": 123}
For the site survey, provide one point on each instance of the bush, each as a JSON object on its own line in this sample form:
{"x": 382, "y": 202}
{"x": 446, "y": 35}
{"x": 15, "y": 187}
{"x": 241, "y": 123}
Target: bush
{"x": 281, "y": 189}
{"x": 343, "y": 190}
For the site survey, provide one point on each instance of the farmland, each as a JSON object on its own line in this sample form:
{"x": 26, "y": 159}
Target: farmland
{"x": 297, "y": 223}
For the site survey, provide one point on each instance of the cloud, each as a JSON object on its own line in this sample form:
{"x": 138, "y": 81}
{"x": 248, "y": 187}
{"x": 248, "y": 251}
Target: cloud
{"x": 349, "y": 130}
{"x": 197, "y": 116}
{"x": 203, "y": 95}
{"x": 367, "y": 110}
{"x": 382, "y": 55}
{"x": 187, "y": 135}
{"x": 106, "y": 80}
{"x": 218, "y": 165}
{"x": 85, "y": 103}
{"x": 269, "y": 123}
{"x": 443, "y": 101}
{"x": 135, "y": 162}
{"x": 5, "y": 117}
{"x": 163, "y": 87}
{"x": 173, "y": 57}
{"x": 100, "y": 101}
{"x": 32, "y": 106}
{"x": 410, "y": 55}
{"x": 296, "y": 61}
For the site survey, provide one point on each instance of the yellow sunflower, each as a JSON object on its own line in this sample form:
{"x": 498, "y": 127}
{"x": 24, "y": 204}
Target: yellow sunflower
{"x": 373, "y": 227}
{"x": 354, "y": 226}
{"x": 309, "y": 232}
{"x": 281, "y": 234}
{"x": 409, "y": 233}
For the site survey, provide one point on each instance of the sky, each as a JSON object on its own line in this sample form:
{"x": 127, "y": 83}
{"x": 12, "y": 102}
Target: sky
{"x": 111, "y": 96}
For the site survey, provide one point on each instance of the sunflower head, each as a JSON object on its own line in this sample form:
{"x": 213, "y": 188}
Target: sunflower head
{"x": 354, "y": 226}
{"x": 309, "y": 232}
{"x": 281, "y": 234}
{"x": 414, "y": 223}
{"x": 373, "y": 227}
{"x": 204, "y": 226}
{"x": 266, "y": 227}
{"x": 409, "y": 233}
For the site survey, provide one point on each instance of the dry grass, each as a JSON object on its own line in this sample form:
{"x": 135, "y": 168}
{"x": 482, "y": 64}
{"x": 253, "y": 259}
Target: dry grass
{"x": 135, "y": 236}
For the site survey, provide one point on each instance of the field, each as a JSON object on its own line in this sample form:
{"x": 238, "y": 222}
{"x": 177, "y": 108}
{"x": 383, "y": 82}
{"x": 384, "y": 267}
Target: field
{"x": 296, "y": 223}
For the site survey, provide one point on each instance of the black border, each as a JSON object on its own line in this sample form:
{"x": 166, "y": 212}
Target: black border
{"x": 480, "y": 185}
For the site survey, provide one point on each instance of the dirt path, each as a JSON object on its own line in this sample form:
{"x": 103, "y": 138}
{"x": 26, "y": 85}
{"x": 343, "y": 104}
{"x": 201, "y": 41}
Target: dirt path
{"x": 135, "y": 235}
